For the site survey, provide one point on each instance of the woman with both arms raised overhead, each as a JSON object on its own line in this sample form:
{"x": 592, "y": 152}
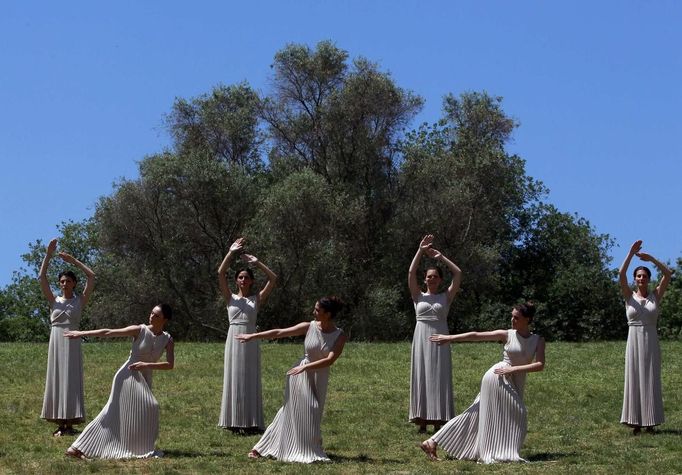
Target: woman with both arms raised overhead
{"x": 63, "y": 401}
{"x": 642, "y": 395}
{"x": 241, "y": 409}
{"x": 431, "y": 399}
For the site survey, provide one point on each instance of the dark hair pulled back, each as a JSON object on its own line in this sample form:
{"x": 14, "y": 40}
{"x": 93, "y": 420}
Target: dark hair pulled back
{"x": 68, "y": 273}
{"x": 166, "y": 310}
{"x": 527, "y": 309}
{"x": 331, "y": 304}
{"x": 639, "y": 268}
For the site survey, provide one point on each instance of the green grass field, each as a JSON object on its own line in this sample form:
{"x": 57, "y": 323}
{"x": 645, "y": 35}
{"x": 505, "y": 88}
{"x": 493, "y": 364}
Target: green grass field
{"x": 574, "y": 408}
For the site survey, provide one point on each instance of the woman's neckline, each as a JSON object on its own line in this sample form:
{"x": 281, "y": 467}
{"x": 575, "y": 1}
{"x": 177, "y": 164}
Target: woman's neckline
{"x": 319, "y": 326}
{"x": 152, "y": 331}
{"x": 640, "y": 296}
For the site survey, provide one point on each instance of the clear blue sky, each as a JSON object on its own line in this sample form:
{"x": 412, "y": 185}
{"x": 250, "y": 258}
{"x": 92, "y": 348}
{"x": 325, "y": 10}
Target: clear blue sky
{"x": 596, "y": 87}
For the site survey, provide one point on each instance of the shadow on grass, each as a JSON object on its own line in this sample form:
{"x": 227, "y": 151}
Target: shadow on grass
{"x": 669, "y": 431}
{"x": 548, "y": 456}
{"x": 362, "y": 458}
{"x": 192, "y": 453}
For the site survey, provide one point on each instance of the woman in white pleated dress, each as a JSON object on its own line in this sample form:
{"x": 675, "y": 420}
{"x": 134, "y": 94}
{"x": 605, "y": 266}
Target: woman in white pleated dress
{"x": 642, "y": 395}
{"x": 295, "y": 433}
{"x": 128, "y": 425}
{"x": 63, "y": 401}
{"x": 241, "y": 409}
{"x": 431, "y": 398}
{"x": 493, "y": 428}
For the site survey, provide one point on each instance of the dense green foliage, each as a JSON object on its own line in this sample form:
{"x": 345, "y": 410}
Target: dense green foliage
{"x": 333, "y": 191}
{"x": 573, "y": 412}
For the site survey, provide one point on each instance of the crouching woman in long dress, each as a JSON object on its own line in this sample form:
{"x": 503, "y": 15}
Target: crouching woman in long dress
{"x": 295, "y": 433}
{"x": 493, "y": 428}
{"x": 128, "y": 425}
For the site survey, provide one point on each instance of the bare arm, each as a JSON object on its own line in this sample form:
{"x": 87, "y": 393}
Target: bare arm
{"x": 296, "y": 330}
{"x": 272, "y": 277}
{"x": 495, "y": 335}
{"x": 324, "y": 362}
{"x": 623, "y": 272}
{"x": 89, "y": 283}
{"x": 537, "y": 365}
{"x": 224, "y": 265}
{"x": 132, "y": 330}
{"x": 159, "y": 365}
{"x": 42, "y": 276}
{"x": 454, "y": 270}
{"x": 412, "y": 281}
{"x": 665, "y": 270}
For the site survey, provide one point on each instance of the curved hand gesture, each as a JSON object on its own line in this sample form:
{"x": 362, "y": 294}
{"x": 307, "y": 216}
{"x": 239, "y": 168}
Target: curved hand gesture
{"x": 238, "y": 245}
{"x": 72, "y": 334}
{"x": 433, "y": 253}
{"x": 52, "y": 246}
{"x": 440, "y": 339}
{"x": 645, "y": 257}
{"x": 503, "y": 370}
{"x": 66, "y": 257}
{"x": 296, "y": 370}
{"x": 636, "y": 247}
{"x": 249, "y": 259}
{"x": 137, "y": 366}
{"x": 244, "y": 337}
{"x": 426, "y": 242}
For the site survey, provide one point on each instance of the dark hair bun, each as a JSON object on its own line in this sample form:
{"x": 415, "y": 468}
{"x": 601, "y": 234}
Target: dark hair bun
{"x": 331, "y": 304}
{"x": 527, "y": 309}
{"x": 166, "y": 310}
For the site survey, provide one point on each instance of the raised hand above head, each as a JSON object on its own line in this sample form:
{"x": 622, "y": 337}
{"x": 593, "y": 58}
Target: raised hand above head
{"x": 66, "y": 257}
{"x": 249, "y": 259}
{"x": 52, "y": 246}
{"x": 433, "y": 253}
{"x": 426, "y": 242}
{"x": 238, "y": 245}
{"x": 645, "y": 257}
{"x": 636, "y": 247}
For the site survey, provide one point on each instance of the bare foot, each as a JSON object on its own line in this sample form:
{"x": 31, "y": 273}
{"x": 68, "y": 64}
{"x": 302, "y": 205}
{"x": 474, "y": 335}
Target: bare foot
{"x": 253, "y": 454}
{"x": 429, "y": 447}
{"x": 75, "y": 453}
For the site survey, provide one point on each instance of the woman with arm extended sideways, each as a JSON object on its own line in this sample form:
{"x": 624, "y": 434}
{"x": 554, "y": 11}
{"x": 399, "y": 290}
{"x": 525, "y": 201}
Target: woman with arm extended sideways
{"x": 128, "y": 425}
{"x": 295, "y": 433}
{"x": 241, "y": 409}
{"x": 63, "y": 401}
{"x": 642, "y": 396}
{"x": 431, "y": 399}
{"x": 493, "y": 428}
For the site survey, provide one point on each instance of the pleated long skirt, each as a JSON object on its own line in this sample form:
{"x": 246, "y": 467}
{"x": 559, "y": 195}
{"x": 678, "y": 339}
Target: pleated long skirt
{"x": 242, "y": 401}
{"x": 63, "y": 398}
{"x": 493, "y": 428}
{"x": 128, "y": 425}
{"x": 642, "y": 395}
{"x": 431, "y": 396}
{"x": 295, "y": 433}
